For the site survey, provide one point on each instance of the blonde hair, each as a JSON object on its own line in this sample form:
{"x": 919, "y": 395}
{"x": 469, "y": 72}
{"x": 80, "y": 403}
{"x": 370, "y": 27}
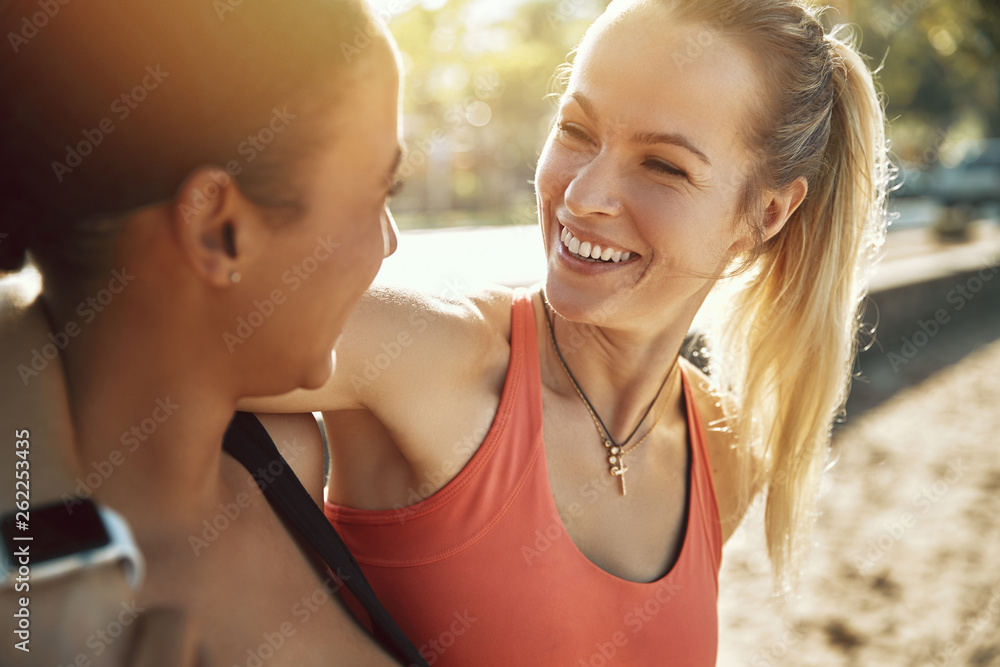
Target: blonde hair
{"x": 786, "y": 345}
{"x": 784, "y": 348}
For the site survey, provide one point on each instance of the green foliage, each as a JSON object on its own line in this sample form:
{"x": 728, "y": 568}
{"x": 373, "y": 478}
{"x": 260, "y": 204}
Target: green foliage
{"x": 461, "y": 72}
{"x": 477, "y": 115}
{"x": 941, "y": 69}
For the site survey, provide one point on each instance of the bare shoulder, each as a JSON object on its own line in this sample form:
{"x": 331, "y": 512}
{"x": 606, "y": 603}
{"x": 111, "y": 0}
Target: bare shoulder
{"x": 405, "y": 338}
{"x": 398, "y": 340}
{"x": 735, "y": 470}
{"x": 428, "y": 369}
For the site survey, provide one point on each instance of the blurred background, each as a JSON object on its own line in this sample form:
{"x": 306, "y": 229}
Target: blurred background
{"x": 905, "y": 567}
{"x": 478, "y": 73}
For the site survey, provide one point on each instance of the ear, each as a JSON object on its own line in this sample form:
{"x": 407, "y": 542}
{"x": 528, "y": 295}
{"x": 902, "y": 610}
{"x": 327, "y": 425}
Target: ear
{"x": 215, "y": 223}
{"x": 782, "y": 205}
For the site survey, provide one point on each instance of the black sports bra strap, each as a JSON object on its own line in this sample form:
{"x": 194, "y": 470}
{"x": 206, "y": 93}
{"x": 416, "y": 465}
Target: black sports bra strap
{"x": 248, "y": 442}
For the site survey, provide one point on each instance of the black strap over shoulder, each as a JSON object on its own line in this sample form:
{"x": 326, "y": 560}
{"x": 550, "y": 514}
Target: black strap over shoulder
{"x": 248, "y": 442}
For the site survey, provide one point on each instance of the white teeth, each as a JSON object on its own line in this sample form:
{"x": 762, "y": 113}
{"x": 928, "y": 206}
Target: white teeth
{"x": 574, "y": 245}
{"x": 588, "y": 250}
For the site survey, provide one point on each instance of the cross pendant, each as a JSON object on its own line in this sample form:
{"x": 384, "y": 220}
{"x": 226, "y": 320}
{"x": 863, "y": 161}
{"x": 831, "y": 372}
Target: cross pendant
{"x": 619, "y": 471}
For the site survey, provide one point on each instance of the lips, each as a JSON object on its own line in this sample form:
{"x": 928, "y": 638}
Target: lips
{"x": 593, "y": 251}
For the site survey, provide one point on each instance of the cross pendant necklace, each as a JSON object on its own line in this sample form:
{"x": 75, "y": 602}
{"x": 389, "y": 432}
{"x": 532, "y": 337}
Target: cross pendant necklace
{"x": 616, "y": 461}
{"x": 620, "y": 472}
{"x": 615, "y": 451}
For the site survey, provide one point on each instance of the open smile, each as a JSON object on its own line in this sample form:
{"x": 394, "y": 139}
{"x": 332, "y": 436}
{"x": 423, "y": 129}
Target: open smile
{"x": 593, "y": 251}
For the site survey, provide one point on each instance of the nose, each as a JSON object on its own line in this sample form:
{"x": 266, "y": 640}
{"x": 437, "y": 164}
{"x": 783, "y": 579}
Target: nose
{"x": 593, "y": 189}
{"x": 390, "y": 233}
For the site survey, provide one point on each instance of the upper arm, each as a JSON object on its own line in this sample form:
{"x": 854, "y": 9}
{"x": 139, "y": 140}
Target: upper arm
{"x": 735, "y": 469}
{"x": 300, "y": 443}
{"x": 399, "y": 347}
{"x": 375, "y": 346}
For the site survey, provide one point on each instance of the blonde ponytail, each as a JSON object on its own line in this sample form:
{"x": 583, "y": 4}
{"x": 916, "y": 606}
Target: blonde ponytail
{"x": 784, "y": 345}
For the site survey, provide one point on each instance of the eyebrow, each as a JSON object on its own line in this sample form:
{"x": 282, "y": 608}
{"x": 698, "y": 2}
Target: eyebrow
{"x": 645, "y": 138}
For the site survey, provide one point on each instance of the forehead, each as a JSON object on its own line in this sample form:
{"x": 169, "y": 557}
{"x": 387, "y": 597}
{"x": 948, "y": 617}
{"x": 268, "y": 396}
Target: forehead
{"x": 646, "y": 71}
{"x": 365, "y": 130}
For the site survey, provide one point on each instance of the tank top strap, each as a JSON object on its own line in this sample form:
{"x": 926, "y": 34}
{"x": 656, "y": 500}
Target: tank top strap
{"x": 524, "y": 345}
{"x": 704, "y": 504}
{"x": 462, "y": 512}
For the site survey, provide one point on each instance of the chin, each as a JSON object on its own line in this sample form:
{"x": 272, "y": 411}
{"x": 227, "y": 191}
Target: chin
{"x": 318, "y": 373}
{"x": 573, "y": 303}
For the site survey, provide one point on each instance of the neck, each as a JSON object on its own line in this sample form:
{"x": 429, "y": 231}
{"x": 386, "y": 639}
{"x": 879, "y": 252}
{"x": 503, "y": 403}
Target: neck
{"x": 149, "y": 415}
{"x": 620, "y": 371}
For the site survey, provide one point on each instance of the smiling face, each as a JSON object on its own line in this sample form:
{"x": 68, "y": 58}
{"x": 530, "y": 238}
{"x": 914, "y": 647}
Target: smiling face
{"x": 644, "y": 169}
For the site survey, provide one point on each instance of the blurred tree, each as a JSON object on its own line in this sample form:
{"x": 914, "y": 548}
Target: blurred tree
{"x": 941, "y": 69}
{"x": 476, "y": 115}
{"x": 478, "y": 73}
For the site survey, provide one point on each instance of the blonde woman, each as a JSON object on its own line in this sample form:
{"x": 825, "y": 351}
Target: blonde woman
{"x": 537, "y": 477}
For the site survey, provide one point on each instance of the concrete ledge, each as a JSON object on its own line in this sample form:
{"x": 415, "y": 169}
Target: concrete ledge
{"x": 931, "y": 310}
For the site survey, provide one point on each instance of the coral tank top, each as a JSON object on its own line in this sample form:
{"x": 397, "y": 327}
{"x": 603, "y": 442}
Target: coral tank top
{"x": 483, "y": 572}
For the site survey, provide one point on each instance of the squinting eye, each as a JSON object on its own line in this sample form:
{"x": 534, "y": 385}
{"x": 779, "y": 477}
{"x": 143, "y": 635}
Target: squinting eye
{"x": 664, "y": 168}
{"x": 573, "y": 131}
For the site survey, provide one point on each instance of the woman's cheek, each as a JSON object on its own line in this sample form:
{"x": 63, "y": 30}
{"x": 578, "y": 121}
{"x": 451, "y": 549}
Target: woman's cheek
{"x": 557, "y": 171}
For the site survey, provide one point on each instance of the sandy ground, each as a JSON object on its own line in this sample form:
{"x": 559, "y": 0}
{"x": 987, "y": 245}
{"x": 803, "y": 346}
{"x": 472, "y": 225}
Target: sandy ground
{"x": 905, "y": 569}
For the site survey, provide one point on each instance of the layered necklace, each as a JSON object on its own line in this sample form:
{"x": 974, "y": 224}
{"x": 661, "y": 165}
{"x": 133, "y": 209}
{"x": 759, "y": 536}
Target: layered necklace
{"x": 615, "y": 451}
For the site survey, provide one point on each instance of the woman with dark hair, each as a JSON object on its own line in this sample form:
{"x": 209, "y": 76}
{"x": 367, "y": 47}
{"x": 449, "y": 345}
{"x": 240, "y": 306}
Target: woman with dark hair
{"x": 539, "y": 478}
{"x": 191, "y": 179}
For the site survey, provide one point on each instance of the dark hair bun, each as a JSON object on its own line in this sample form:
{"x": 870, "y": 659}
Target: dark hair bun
{"x": 112, "y": 106}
